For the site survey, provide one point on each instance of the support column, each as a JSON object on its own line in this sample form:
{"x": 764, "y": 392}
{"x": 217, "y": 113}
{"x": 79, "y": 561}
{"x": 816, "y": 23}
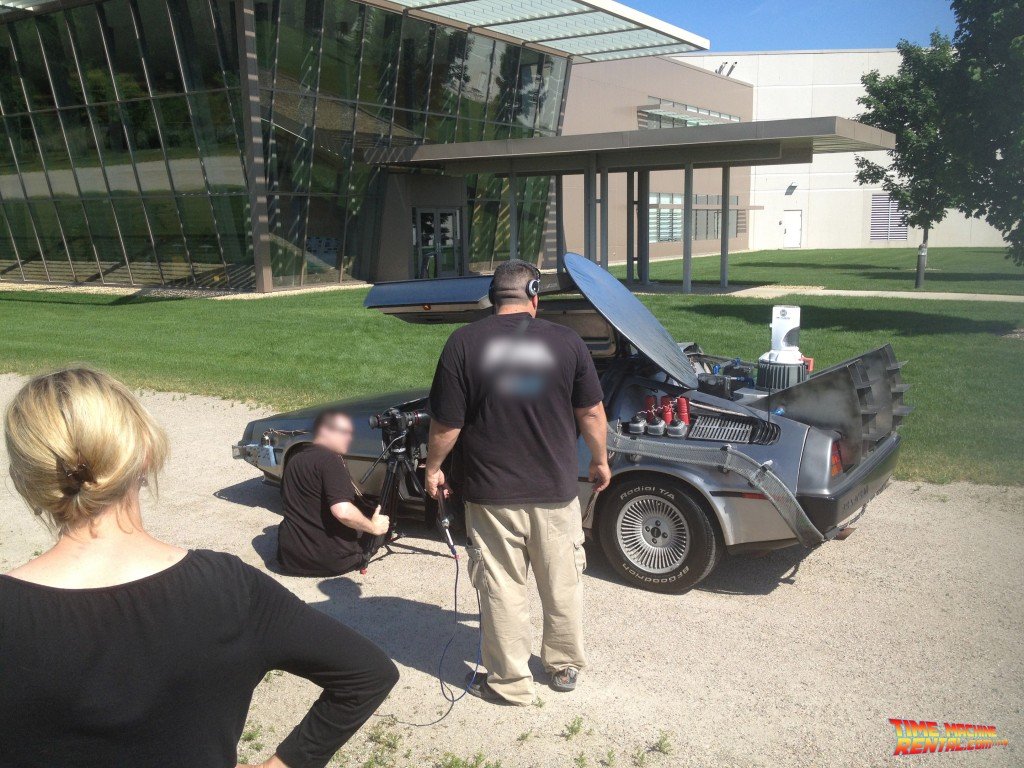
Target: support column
{"x": 630, "y": 226}
{"x": 255, "y": 170}
{"x": 643, "y": 226}
{"x": 590, "y": 210}
{"x": 723, "y": 280}
{"x": 688, "y": 229}
{"x": 559, "y": 223}
{"x": 513, "y": 217}
{"x": 604, "y": 218}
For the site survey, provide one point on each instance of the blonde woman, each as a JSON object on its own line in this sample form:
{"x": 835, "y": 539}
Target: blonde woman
{"x": 118, "y": 649}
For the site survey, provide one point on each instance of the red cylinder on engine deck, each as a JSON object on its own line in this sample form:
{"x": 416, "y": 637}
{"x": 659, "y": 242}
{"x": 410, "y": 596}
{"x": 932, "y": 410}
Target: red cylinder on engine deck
{"x": 666, "y": 411}
{"x": 683, "y": 409}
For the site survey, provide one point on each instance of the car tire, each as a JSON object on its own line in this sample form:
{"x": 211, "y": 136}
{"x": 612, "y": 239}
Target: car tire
{"x": 656, "y": 535}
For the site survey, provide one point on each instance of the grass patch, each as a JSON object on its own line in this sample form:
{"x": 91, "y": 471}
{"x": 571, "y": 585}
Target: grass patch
{"x": 958, "y": 270}
{"x": 289, "y": 351}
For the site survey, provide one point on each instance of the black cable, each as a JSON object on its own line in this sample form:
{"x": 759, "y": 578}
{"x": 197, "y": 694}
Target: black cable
{"x": 446, "y": 690}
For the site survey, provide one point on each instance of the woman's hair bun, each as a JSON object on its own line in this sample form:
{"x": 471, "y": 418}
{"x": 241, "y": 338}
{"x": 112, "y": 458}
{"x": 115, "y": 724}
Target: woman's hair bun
{"x": 79, "y": 443}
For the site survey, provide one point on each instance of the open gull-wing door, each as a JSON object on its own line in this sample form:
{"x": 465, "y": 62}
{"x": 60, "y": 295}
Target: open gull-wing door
{"x": 445, "y": 300}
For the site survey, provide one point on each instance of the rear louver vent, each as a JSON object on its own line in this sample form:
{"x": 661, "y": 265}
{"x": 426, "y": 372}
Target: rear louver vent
{"x": 720, "y": 429}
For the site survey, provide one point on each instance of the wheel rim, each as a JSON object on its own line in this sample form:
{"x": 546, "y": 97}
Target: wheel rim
{"x": 653, "y": 534}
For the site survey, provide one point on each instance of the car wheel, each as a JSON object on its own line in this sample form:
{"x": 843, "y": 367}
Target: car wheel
{"x": 656, "y": 535}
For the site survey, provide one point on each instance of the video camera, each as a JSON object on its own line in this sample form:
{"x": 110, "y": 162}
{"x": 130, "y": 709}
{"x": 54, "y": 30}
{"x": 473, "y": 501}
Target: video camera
{"x": 396, "y": 421}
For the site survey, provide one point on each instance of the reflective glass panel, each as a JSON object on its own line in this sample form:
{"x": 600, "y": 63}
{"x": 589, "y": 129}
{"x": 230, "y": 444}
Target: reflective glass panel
{"x": 381, "y": 42}
{"x": 157, "y": 43}
{"x": 132, "y": 218}
{"x": 30, "y": 60}
{"x": 504, "y": 102}
{"x": 180, "y": 144}
{"x": 115, "y": 18}
{"x": 412, "y": 89}
{"x": 298, "y": 55}
{"x": 82, "y": 147}
{"x": 60, "y": 60}
{"x": 226, "y": 31}
{"x": 343, "y": 37}
{"x": 48, "y": 229}
{"x": 11, "y": 96}
{"x": 203, "y": 241}
{"x": 10, "y": 184}
{"x": 85, "y": 36}
{"x": 549, "y": 97}
{"x": 218, "y": 143}
{"x": 106, "y": 240}
{"x": 170, "y": 247}
{"x": 449, "y": 70}
{"x": 476, "y": 79}
{"x": 197, "y": 42}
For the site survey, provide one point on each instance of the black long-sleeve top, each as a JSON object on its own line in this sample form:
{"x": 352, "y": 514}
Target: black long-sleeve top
{"x": 159, "y": 672}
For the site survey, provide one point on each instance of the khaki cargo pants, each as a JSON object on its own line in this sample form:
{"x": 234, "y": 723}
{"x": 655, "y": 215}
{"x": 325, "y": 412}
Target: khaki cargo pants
{"x": 504, "y": 543}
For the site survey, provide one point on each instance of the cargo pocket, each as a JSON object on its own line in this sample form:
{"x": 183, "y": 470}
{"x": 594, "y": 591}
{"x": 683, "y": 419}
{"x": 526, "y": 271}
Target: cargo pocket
{"x": 580, "y": 555}
{"x": 477, "y": 569}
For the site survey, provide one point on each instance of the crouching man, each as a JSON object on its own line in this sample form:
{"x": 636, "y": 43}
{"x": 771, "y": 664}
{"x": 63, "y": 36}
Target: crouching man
{"x": 514, "y": 389}
{"x": 322, "y": 525}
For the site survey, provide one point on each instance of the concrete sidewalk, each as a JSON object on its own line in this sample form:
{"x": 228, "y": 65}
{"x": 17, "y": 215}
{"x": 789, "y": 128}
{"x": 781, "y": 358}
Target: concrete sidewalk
{"x": 775, "y": 291}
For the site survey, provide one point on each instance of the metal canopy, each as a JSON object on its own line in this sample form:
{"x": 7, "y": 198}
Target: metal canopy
{"x": 768, "y": 142}
{"x": 593, "y": 30}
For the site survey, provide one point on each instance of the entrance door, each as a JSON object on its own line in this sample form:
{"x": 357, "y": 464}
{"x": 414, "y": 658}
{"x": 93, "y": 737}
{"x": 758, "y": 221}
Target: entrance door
{"x": 792, "y": 229}
{"x": 438, "y": 239}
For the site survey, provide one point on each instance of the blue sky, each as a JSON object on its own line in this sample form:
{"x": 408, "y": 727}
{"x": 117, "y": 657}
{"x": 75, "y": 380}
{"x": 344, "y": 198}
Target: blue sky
{"x": 772, "y": 25}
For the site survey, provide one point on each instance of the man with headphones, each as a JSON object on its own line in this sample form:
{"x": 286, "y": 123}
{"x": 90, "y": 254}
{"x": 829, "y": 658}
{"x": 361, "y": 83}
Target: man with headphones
{"x": 514, "y": 390}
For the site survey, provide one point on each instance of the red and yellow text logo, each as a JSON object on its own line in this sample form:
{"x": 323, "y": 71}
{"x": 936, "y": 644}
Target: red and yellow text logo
{"x": 919, "y": 737}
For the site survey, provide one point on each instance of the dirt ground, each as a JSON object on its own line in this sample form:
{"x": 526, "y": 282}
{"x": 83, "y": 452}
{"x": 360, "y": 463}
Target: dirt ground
{"x": 794, "y": 659}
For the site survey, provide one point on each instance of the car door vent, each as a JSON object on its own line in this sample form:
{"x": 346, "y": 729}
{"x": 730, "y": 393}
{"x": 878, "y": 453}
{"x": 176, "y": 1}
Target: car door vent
{"x": 720, "y": 429}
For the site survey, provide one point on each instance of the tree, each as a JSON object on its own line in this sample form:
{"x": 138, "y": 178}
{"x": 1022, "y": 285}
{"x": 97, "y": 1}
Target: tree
{"x": 922, "y": 175}
{"x": 983, "y": 110}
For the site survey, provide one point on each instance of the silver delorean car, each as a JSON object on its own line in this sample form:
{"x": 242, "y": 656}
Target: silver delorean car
{"x": 709, "y": 454}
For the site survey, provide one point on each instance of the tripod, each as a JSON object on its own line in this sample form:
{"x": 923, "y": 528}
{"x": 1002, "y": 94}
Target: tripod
{"x": 400, "y": 467}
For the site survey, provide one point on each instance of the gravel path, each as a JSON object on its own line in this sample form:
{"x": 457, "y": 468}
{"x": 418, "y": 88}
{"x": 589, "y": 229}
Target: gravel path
{"x": 794, "y": 659}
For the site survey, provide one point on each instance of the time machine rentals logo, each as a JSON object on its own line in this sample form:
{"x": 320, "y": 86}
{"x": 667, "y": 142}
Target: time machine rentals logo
{"x": 920, "y": 737}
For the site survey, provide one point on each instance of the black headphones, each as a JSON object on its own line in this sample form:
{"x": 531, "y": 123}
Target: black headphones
{"x": 532, "y": 287}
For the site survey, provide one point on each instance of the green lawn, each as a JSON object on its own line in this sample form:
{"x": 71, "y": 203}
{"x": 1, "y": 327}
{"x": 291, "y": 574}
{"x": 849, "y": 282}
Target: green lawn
{"x": 293, "y": 350}
{"x": 959, "y": 270}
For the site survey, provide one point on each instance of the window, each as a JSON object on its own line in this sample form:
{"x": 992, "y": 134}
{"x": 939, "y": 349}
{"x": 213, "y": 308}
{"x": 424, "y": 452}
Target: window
{"x": 888, "y": 222}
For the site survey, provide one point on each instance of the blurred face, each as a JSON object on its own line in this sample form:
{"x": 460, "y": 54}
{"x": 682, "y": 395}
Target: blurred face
{"x": 336, "y": 434}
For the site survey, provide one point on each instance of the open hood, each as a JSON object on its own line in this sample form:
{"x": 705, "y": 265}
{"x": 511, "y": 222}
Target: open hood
{"x": 631, "y": 318}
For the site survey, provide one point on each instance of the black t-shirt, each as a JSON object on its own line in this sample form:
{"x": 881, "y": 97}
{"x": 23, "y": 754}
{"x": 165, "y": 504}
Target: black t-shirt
{"x": 511, "y": 383}
{"x": 159, "y": 672}
{"x": 310, "y": 540}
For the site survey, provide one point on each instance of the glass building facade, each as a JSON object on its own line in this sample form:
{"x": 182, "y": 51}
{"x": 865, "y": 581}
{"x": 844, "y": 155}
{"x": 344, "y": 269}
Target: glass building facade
{"x": 142, "y": 142}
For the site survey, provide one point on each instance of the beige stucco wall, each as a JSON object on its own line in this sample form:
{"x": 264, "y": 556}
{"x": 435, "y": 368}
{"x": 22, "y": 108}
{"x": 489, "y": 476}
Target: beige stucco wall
{"x": 604, "y": 96}
{"x": 835, "y": 210}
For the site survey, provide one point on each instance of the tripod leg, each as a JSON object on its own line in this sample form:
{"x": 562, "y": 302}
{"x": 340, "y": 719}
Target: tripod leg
{"x": 388, "y": 491}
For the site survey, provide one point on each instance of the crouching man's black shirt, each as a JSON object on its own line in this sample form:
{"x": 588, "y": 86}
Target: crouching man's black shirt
{"x": 310, "y": 540}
